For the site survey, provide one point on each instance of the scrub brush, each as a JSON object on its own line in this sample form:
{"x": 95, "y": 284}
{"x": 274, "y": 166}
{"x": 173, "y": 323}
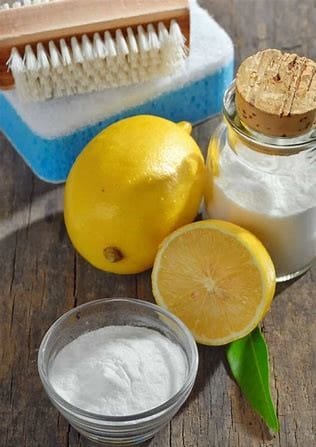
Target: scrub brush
{"x": 55, "y": 48}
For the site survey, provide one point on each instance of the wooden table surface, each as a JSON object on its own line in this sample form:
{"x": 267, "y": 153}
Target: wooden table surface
{"x": 41, "y": 277}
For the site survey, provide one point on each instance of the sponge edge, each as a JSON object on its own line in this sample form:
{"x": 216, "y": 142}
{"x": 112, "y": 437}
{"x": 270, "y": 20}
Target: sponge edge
{"x": 49, "y": 136}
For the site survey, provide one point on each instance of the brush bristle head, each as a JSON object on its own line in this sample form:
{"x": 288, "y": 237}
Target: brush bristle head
{"x": 90, "y": 64}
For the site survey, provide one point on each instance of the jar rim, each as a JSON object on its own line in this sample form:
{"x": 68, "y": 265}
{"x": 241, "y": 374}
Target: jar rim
{"x": 268, "y": 143}
{"x": 133, "y": 418}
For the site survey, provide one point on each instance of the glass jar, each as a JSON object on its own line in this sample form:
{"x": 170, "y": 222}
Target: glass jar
{"x": 266, "y": 185}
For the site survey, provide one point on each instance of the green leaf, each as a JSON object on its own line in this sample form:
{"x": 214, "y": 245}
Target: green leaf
{"x": 249, "y": 363}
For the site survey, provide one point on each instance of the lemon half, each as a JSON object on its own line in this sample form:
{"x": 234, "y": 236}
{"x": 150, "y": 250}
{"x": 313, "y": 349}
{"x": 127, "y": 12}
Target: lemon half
{"x": 216, "y": 277}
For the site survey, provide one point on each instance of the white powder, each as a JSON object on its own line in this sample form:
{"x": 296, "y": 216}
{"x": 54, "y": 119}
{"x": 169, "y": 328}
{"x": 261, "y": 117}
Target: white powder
{"x": 272, "y": 196}
{"x": 119, "y": 370}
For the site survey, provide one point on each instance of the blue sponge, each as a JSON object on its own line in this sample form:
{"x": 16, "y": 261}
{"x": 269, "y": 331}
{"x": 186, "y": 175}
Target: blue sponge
{"x": 49, "y": 136}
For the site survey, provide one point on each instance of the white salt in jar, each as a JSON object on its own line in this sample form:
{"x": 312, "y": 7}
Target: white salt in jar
{"x": 266, "y": 185}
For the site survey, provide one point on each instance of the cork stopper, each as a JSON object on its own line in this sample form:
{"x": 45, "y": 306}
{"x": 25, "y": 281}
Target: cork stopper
{"x": 276, "y": 93}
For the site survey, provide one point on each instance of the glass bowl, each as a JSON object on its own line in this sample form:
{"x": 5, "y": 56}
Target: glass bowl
{"x": 120, "y": 430}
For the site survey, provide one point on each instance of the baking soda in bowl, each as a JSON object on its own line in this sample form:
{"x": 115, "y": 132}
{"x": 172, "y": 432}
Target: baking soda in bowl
{"x": 119, "y": 370}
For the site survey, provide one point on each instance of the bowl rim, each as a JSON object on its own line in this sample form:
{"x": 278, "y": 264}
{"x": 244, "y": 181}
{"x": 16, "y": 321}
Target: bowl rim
{"x": 137, "y": 417}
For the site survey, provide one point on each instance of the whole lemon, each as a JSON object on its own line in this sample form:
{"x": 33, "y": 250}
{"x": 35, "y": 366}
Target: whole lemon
{"x": 133, "y": 184}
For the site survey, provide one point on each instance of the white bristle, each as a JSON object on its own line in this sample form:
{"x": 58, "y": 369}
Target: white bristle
{"x": 30, "y": 60}
{"x": 153, "y": 38}
{"x": 42, "y": 58}
{"x": 99, "y": 46}
{"x": 93, "y": 64}
{"x": 65, "y": 52}
{"x": 54, "y": 55}
{"x": 76, "y": 51}
{"x": 15, "y": 61}
{"x": 87, "y": 49}
{"x": 176, "y": 35}
{"x": 132, "y": 42}
{"x": 162, "y": 33}
{"x": 142, "y": 40}
{"x": 109, "y": 45}
{"x": 121, "y": 44}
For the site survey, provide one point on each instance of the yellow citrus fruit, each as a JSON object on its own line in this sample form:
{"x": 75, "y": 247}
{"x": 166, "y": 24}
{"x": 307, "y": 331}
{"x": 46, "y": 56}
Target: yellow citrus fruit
{"x": 134, "y": 183}
{"x": 216, "y": 277}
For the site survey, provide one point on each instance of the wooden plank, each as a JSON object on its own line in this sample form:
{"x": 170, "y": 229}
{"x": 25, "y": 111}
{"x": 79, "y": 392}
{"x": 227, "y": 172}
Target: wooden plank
{"x": 41, "y": 277}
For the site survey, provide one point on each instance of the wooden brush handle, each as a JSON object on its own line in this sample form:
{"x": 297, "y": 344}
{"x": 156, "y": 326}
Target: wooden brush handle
{"x": 67, "y": 18}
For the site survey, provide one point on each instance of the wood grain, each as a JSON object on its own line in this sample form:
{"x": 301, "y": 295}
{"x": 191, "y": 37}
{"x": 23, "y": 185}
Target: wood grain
{"x": 41, "y": 277}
